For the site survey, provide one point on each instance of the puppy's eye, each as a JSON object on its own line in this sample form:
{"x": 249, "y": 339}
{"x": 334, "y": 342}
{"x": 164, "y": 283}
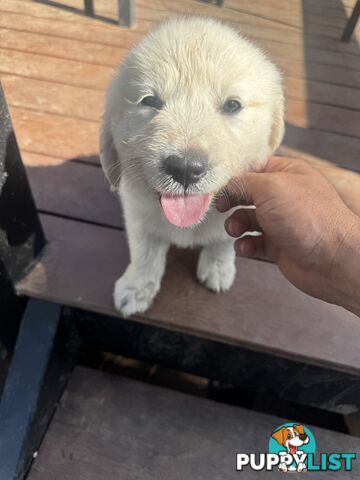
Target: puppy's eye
{"x": 231, "y": 106}
{"x": 289, "y": 435}
{"x": 153, "y": 102}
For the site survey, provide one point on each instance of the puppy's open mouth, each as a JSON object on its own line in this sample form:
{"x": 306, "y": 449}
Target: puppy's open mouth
{"x": 185, "y": 210}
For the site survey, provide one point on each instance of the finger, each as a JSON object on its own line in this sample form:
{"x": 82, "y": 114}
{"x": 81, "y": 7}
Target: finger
{"x": 250, "y": 247}
{"x": 239, "y": 191}
{"x": 241, "y": 221}
{"x": 232, "y": 197}
{"x": 245, "y": 190}
{"x": 287, "y": 164}
{"x": 278, "y": 164}
{"x": 259, "y": 246}
{"x": 224, "y": 203}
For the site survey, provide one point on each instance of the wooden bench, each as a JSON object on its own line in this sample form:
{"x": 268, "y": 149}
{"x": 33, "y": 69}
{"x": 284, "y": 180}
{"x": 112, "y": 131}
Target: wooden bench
{"x": 279, "y": 340}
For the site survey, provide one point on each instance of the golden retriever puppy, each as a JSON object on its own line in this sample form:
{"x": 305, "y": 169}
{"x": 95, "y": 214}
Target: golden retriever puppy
{"x": 194, "y": 105}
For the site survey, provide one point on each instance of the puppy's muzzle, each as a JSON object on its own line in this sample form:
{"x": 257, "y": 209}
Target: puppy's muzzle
{"x": 186, "y": 169}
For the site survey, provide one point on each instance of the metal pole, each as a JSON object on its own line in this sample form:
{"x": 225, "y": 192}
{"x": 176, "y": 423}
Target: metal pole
{"x": 351, "y": 23}
{"x": 126, "y": 13}
{"x": 89, "y": 8}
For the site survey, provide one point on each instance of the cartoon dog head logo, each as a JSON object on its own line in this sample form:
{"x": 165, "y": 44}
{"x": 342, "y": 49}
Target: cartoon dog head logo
{"x": 292, "y": 442}
{"x": 291, "y": 438}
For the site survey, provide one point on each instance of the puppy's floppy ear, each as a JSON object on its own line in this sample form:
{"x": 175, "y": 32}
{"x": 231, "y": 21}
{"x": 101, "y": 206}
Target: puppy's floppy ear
{"x": 278, "y": 126}
{"x": 299, "y": 429}
{"x": 279, "y": 436}
{"x": 109, "y": 157}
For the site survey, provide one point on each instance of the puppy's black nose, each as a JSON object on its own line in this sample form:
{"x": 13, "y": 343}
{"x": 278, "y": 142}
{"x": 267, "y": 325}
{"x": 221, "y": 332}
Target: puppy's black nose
{"x": 186, "y": 169}
{"x": 303, "y": 436}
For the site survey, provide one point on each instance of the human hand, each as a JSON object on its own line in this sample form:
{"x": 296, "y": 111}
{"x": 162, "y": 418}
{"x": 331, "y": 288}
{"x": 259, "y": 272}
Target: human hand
{"x": 306, "y": 229}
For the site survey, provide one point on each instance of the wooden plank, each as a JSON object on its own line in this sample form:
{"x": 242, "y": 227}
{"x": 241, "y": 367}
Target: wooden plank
{"x": 109, "y": 35}
{"x": 150, "y": 13}
{"x": 297, "y": 37}
{"x": 58, "y": 10}
{"x": 274, "y": 9}
{"x": 321, "y": 92}
{"x": 53, "y": 98}
{"x": 109, "y": 427}
{"x": 240, "y": 15}
{"x": 333, "y": 9}
{"x": 87, "y": 104}
{"x": 313, "y": 71}
{"x": 300, "y": 14}
{"x": 95, "y": 32}
{"x": 55, "y": 69}
{"x": 334, "y": 3}
{"x": 323, "y": 117}
{"x": 81, "y": 192}
{"x": 31, "y": 159}
{"x": 283, "y": 15}
{"x": 81, "y": 139}
{"x": 68, "y": 101}
{"x": 335, "y": 13}
{"x": 143, "y": 13}
{"x": 250, "y": 315}
{"x": 106, "y": 55}
{"x": 311, "y": 144}
{"x": 98, "y": 76}
{"x": 55, "y": 135}
{"x": 309, "y": 55}
{"x": 70, "y": 49}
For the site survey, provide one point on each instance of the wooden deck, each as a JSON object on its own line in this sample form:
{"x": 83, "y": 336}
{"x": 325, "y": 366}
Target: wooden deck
{"x": 110, "y": 427}
{"x": 55, "y": 65}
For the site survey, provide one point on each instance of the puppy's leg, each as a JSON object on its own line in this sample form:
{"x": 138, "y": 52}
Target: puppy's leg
{"x": 216, "y": 268}
{"x": 136, "y": 289}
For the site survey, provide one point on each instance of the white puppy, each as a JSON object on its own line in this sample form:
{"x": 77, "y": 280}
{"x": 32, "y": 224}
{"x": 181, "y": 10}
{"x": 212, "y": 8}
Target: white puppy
{"x": 193, "y": 106}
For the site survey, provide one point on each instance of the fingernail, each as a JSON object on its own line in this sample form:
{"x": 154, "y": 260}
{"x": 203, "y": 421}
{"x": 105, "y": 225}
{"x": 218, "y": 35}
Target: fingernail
{"x": 239, "y": 248}
{"x": 244, "y": 247}
{"x": 230, "y": 227}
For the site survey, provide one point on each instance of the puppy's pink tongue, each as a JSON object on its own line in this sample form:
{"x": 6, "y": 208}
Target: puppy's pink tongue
{"x": 185, "y": 210}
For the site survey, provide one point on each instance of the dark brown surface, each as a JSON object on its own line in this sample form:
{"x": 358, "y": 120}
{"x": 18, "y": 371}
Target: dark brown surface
{"x": 75, "y": 190}
{"x": 109, "y": 427}
{"x": 311, "y": 144}
{"x": 262, "y": 310}
{"x": 80, "y": 191}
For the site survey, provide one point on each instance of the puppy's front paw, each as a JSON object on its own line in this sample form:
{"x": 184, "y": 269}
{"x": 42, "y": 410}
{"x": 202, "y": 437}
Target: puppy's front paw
{"x": 301, "y": 467}
{"x": 134, "y": 293}
{"x": 216, "y": 273}
{"x": 283, "y": 467}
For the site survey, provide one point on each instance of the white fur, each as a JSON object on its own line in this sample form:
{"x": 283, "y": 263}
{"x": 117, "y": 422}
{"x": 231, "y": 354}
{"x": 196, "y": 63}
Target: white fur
{"x": 194, "y": 64}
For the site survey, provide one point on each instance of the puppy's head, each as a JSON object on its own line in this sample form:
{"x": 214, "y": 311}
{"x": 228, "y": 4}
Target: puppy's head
{"x": 291, "y": 437}
{"x": 193, "y": 106}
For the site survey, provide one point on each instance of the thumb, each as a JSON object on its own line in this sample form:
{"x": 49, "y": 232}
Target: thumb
{"x": 242, "y": 190}
{"x": 247, "y": 188}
